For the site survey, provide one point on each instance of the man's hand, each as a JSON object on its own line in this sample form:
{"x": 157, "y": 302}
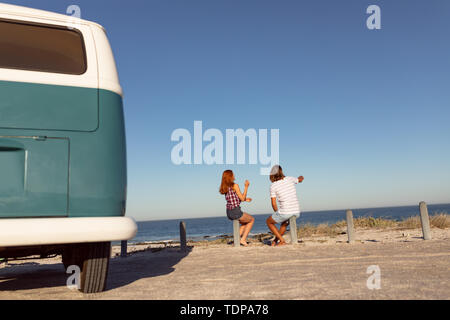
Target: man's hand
{"x": 300, "y": 179}
{"x": 247, "y": 183}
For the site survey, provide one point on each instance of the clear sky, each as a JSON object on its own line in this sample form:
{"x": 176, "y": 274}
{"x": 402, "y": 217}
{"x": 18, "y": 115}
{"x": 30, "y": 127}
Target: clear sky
{"x": 363, "y": 114}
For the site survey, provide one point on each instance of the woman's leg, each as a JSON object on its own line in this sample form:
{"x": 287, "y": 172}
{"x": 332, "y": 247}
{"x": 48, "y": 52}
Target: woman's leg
{"x": 241, "y": 229}
{"x": 272, "y": 226}
{"x": 242, "y": 222}
{"x": 247, "y": 222}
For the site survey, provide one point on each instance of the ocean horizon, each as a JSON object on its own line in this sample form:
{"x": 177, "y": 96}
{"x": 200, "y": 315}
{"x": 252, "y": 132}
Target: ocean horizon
{"x": 209, "y": 228}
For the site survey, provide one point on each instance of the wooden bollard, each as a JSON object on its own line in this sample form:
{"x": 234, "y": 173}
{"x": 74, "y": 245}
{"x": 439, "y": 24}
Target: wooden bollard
{"x": 293, "y": 229}
{"x": 425, "y": 221}
{"x": 123, "y": 248}
{"x": 350, "y": 231}
{"x": 182, "y": 236}
{"x": 236, "y": 233}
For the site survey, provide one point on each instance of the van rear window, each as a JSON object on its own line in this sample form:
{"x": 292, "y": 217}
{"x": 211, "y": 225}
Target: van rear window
{"x": 41, "y": 48}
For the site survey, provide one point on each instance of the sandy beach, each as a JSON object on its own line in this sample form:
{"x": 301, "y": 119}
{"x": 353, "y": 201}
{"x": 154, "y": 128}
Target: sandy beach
{"x": 316, "y": 268}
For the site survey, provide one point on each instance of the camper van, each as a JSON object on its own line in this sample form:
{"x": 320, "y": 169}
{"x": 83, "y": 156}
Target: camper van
{"x": 63, "y": 171}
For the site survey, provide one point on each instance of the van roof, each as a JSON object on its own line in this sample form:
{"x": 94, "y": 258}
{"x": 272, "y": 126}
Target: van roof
{"x": 42, "y": 14}
{"x": 107, "y": 71}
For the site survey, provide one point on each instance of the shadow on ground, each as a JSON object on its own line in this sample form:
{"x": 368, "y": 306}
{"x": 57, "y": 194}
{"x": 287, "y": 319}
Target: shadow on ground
{"x": 122, "y": 271}
{"x": 31, "y": 276}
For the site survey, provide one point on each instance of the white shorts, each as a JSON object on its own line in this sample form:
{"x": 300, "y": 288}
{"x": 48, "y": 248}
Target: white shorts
{"x": 280, "y": 218}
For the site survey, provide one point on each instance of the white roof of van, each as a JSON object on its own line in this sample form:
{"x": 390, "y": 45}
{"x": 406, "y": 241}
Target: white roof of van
{"x": 42, "y": 14}
{"x": 105, "y": 76}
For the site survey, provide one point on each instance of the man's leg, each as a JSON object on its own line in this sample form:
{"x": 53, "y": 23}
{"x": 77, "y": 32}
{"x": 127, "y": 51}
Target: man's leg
{"x": 272, "y": 227}
{"x": 282, "y": 229}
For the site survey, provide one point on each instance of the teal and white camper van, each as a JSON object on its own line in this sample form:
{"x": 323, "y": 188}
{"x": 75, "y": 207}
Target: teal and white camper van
{"x": 62, "y": 142}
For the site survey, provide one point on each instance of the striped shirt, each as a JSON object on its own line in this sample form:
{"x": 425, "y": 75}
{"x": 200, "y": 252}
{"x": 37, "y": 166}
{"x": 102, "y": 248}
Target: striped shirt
{"x": 232, "y": 199}
{"x": 284, "y": 191}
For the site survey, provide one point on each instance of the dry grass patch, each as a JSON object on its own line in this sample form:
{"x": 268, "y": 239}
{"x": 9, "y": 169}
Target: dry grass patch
{"x": 322, "y": 229}
{"x": 439, "y": 220}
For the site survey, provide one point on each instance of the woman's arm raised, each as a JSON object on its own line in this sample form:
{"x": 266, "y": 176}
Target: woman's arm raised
{"x": 241, "y": 196}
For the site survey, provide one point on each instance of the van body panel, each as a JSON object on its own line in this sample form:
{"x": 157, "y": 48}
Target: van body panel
{"x": 108, "y": 78}
{"x": 96, "y": 163}
{"x": 34, "y": 173}
{"x": 48, "y": 107}
{"x": 98, "y": 175}
{"x": 72, "y": 125}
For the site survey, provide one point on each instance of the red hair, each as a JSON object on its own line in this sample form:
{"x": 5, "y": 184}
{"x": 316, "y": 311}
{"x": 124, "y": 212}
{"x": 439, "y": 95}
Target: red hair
{"x": 227, "y": 181}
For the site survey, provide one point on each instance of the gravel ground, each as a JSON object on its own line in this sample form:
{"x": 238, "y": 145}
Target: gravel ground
{"x": 410, "y": 268}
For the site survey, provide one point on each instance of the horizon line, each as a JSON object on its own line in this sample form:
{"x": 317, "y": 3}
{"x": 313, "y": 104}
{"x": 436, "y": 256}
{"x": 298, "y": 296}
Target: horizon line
{"x": 324, "y": 210}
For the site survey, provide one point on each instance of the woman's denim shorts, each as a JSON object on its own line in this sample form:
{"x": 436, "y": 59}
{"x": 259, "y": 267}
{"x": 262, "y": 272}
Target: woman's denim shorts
{"x": 235, "y": 213}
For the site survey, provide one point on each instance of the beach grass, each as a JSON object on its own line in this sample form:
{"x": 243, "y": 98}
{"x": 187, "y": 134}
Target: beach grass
{"x": 438, "y": 220}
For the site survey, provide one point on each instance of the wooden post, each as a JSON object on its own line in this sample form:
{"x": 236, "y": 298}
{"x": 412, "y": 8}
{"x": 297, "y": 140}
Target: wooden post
{"x": 123, "y": 248}
{"x": 293, "y": 229}
{"x": 236, "y": 233}
{"x": 182, "y": 236}
{"x": 425, "y": 220}
{"x": 350, "y": 231}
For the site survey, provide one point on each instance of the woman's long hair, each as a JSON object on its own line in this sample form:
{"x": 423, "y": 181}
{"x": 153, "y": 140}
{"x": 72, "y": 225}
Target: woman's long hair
{"x": 227, "y": 181}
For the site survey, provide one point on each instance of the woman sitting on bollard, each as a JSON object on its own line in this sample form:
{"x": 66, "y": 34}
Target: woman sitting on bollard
{"x": 234, "y": 197}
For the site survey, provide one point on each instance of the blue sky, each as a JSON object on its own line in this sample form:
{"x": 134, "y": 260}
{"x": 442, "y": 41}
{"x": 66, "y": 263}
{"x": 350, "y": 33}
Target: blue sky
{"x": 363, "y": 114}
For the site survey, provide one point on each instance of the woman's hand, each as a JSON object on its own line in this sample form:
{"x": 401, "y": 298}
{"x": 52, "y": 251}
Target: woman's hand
{"x": 247, "y": 183}
{"x": 248, "y": 199}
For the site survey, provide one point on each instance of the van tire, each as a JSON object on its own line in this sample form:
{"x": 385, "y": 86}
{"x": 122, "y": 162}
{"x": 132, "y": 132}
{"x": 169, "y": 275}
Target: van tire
{"x": 93, "y": 261}
{"x": 94, "y": 270}
{"x": 70, "y": 255}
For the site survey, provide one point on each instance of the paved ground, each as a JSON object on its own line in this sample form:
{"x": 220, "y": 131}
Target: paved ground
{"x": 409, "y": 270}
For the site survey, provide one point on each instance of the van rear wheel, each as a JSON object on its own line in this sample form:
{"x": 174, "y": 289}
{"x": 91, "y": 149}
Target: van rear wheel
{"x": 93, "y": 260}
{"x": 95, "y": 267}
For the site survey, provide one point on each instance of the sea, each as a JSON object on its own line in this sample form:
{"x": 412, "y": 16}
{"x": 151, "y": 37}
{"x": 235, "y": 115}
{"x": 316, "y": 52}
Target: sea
{"x": 216, "y": 227}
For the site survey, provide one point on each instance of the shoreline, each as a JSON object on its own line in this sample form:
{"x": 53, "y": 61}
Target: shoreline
{"x": 440, "y": 221}
{"x": 362, "y": 236}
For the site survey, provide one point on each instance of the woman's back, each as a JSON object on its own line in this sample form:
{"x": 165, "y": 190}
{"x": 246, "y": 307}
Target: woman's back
{"x": 232, "y": 198}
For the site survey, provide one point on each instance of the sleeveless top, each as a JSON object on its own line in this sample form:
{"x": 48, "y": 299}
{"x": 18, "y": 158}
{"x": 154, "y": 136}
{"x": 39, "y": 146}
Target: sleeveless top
{"x": 232, "y": 199}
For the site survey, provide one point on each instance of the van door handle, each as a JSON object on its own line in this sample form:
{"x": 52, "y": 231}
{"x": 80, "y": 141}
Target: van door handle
{"x": 40, "y": 138}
